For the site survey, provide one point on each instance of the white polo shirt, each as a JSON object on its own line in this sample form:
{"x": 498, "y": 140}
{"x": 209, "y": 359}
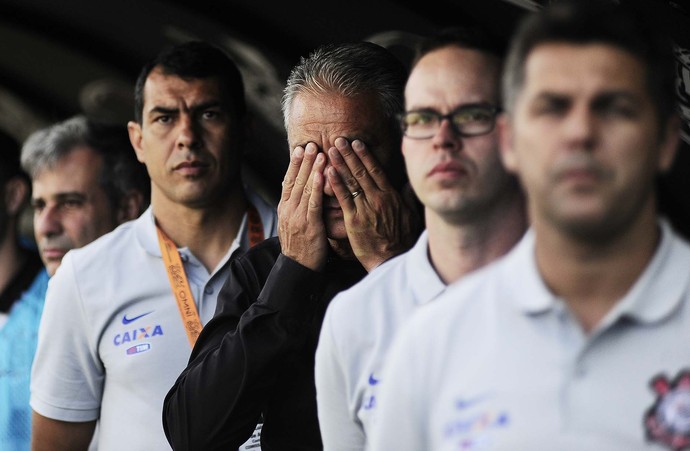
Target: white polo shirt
{"x": 357, "y": 330}
{"x": 111, "y": 341}
{"x": 499, "y": 363}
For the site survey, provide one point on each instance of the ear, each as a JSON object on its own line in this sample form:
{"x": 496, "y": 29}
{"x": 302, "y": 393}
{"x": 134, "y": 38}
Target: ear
{"x": 668, "y": 145}
{"x": 505, "y": 137}
{"x": 131, "y": 206}
{"x": 135, "y": 136}
{"x": 16, "y": 194}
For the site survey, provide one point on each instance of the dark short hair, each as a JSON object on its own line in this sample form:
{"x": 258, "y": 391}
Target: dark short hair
{"x": 630, "y": 27}
{"x": 192, "y": 60}
{"x": 120, "y": 173}
{"x": 468, "y": 37}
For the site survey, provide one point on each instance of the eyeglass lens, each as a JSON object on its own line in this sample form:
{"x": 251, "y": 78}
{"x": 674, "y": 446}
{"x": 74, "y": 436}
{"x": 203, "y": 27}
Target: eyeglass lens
{"x": 467, "y": 121}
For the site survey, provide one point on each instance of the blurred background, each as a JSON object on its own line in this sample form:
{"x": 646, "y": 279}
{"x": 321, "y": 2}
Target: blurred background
{"x": 79, "y": 56}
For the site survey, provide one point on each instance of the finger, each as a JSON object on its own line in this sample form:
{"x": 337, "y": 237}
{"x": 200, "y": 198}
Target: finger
{"x": 292, "y": 171}
{"x": 357, "y": 171}
{"x": 315, "y": 211}
{"x": 316, "y": 168}
{"x": 373, "y": 167}
{"x": 344, "y": 183}
{"x": 341, "y": 191}
{"x": 304, "y": 174}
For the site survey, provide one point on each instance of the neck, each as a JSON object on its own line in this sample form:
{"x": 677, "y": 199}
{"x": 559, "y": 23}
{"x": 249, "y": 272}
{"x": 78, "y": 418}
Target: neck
{"x": 457, "y": 248}
{"x": 209, "y": 231}
{"x": 592, "y": 277}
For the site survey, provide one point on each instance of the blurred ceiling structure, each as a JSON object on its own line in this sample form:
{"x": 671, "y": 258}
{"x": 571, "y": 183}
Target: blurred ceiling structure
{"x": 78, "y": 56}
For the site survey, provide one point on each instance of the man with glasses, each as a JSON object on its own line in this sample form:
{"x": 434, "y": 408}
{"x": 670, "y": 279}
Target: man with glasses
{"x": 474, "y": 213}
{"x": 578, "y": 338}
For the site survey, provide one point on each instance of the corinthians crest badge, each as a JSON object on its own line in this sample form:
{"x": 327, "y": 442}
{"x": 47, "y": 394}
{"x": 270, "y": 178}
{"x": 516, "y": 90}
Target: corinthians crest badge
{"x": 668, "y": 421}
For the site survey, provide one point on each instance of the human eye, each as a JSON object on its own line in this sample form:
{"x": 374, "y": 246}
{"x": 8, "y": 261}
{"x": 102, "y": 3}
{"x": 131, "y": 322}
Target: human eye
{"x": 616, "y": 107}
{"x": 163, "y": 115}
{"x": 419, "y": 118}
{"x": 473, "y": 115}
{"x": 162, "y": 119}
{"x": 211, "y": 114}
{"x": 71, "y": 203}
{"x": 38, "y": 205}
{"x": 550, "y": 106}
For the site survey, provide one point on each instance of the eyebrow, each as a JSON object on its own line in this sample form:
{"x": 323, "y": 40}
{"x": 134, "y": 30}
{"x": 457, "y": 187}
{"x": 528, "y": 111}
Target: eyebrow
{"x": 461, "y": 106}
{"x": 174, "y": 110}
{"x": 616, "y": 94}
{"x": 550, "y": 95}
{"x": 162, "y": 110}
{"x": 603, "y": 95}
{"x": 62, "y": 196}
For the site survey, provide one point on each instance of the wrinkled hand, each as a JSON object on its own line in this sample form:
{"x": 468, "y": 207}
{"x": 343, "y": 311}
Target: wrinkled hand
{"x": 301, "y": 229}
{"x": 379, "y": 223}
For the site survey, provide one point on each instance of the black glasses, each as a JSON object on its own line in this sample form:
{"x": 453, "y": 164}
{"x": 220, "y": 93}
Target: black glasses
{"x": 468, "y": 120}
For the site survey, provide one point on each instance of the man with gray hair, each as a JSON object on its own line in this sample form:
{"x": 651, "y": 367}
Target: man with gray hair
{"x": 474, "y": 213}
{"x": 341, "y": 214}
{"x": 86, "y": 181}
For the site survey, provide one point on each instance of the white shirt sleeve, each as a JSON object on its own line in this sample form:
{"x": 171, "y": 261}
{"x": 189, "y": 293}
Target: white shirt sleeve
{"x": 67, "y": 375}
{"x": 340, "y": 430}
{"x": 402, "y": 417}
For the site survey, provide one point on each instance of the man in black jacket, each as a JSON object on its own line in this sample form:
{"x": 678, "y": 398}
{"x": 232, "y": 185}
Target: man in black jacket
{"x": 341, "y": 214}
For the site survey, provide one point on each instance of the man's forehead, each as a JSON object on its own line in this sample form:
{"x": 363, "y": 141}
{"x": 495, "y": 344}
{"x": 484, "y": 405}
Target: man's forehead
{"x": 323, "y": 118}
{"x": 590, "y": 66}
{"x": 78, "y": 171}
{"x": 162, "y": 87}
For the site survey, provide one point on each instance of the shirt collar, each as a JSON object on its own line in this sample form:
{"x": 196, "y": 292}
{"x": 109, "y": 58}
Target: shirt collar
{"x": 145, "y": 229}
{"x": 424, "y": 281}
{"x": 660, "y": 289}
{"x": 654, "y": 296}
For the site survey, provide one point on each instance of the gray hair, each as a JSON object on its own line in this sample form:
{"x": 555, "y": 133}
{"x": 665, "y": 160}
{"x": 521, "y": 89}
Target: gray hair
{"x": 120, "y": 171}
{"x": 349, "y": 69}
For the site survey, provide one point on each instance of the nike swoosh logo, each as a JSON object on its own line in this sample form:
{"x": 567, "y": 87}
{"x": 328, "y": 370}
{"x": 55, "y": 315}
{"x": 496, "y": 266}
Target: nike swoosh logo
{"x": 462, "y": 404}
{"x": 373, "y": 380}
{"x": 126, "y": 320}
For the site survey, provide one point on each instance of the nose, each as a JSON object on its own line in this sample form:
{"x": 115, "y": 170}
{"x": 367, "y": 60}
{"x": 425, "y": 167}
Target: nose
{"x": 579, "y": 127}
{"x": 189, "y": 135}
{"x": 47, "y": 222}
{"x": 447, "y": 136}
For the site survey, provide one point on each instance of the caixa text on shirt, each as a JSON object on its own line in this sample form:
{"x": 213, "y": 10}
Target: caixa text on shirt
{"x": 137, "y": 334}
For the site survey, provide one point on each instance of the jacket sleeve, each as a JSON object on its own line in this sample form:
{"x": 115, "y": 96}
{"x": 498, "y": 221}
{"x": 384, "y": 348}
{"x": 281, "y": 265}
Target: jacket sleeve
{"x": 218, "y": 399}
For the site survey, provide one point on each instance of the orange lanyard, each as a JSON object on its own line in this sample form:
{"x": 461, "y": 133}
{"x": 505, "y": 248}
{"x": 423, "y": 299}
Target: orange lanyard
{"x": 178, "y": 278}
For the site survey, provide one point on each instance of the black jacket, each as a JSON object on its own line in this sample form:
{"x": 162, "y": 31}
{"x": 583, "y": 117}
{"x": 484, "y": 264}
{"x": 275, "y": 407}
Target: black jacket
{"x": 254, "y": 361}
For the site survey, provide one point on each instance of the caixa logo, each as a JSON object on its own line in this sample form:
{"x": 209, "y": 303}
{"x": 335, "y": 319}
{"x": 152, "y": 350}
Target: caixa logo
{"x": 140, "y": 333}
